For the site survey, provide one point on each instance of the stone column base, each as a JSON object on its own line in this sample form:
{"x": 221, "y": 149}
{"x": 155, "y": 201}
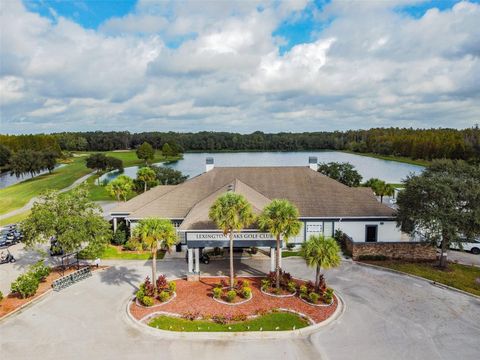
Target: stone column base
{"x": 193, "y": 277}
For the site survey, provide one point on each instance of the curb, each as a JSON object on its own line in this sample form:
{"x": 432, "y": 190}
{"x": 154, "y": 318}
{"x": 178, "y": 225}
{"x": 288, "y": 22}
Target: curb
{"x": 247, "y": 335}
{"x": 433, "y": 283}
{"x": 26, "y": 305}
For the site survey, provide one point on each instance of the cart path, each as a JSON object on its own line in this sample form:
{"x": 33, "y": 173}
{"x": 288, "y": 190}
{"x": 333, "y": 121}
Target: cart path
{"x": 29, "y": 205}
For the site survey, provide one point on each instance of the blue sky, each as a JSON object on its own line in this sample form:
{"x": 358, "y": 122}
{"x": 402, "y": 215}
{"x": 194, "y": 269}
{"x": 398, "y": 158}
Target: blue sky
{"x": 245, "y": 66}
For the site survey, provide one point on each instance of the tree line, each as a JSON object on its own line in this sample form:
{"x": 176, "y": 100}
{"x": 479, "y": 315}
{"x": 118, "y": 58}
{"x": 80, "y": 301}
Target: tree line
{"x": 424, "y": 144}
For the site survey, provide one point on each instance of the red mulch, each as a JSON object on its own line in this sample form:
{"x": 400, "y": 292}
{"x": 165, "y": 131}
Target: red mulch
{"x": 12, "y": 302}
{"x": 195, "y": 296}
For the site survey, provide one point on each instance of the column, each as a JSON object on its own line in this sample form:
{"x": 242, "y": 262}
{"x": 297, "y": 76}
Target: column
{"x": 114, "y": 225}
{"x": 272, "y": 259}
{"x": 280, "y": 260}
{"x": 190, "y": 260}
{"x": 197, "y": 261}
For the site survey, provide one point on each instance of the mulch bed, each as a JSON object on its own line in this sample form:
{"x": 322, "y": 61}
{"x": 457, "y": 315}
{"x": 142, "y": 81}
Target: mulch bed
{"x": 196, "y": 296}
{"x": 11, "y": 302}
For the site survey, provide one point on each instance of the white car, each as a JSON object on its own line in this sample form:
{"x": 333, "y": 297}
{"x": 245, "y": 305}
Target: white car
{"x": 473, "y": 246}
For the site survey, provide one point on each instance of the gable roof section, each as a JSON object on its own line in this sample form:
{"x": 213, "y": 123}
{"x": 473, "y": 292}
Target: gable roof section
{"x": 141, "y": 200}
{"x": 198, "y": 219}
{"x": 314, "y": 194}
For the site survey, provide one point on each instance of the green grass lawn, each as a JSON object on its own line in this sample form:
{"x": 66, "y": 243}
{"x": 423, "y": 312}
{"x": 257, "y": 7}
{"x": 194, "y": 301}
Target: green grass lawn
{"x": 113, "y": 253}
{"x": 268, "y": 322}
{"x": 402, "y": 159}
{"x": 458, "y": 276}
{"x": 288, "y": 253}
{"x": 14, "y": 219}
{"x": 16, "y": 196}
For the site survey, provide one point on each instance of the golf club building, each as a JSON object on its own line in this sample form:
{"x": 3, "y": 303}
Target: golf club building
{"x": 325, "y": 205}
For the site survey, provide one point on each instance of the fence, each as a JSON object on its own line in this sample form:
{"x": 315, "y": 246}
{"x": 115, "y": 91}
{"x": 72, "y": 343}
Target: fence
{"x": 71, "y": 279}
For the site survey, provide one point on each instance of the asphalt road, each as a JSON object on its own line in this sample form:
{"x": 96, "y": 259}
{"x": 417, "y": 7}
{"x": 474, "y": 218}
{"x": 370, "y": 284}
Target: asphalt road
{"x": 387, "y": 316}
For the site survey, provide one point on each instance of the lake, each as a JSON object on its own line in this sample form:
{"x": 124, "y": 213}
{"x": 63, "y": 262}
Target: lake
{"x": 7, "y": 180}
{"x": 193, "y": 164}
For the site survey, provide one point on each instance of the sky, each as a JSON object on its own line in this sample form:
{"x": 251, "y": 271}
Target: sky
{"x": 272, "y": 66}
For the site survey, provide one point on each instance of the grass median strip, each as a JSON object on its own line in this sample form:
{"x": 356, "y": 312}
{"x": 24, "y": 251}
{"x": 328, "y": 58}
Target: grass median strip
{"x": 462, "y": 277}
{"x": 115, "y": 253}
{"x": 277, "y": 321}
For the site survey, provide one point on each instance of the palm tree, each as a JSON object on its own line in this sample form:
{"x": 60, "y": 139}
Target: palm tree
{"x": 231, "y": 212}
{"x": 120, "y": 187}
{"x": 280, "y": 218}
{"x": 156, "y": 234}
{"x": 384, "y": 189}
{"x": 320, "y": 252}
{"x": 146, "y": 174}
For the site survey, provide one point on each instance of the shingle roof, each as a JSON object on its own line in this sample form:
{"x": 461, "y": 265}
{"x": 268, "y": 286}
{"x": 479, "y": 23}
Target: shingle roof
{"x": 143, "y": 199}
{"x": 197, "y": 218}
{"x": 314, "y": 194}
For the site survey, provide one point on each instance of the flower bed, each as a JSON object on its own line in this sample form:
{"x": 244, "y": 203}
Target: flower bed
{"x": 288, "y": 286}
{"x": 194, "y": 300}
{"x": 323, "y": 296}
{"x": 147, "y": 295}
{"x": 239, "y": 294}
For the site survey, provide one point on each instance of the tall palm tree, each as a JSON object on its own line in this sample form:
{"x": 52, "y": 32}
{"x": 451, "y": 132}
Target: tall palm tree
{"x": 146, "y": 174}
{"x": 384, "y": 189}
{"x": 320, "y": 252}
{"x": 280, "y": 218}
{"x": 156, "y": 234}
{"x": 231, "y": 212}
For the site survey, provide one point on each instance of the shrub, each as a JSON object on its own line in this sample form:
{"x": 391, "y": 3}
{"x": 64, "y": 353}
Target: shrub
{"x": 26, "y": 285}
{"x": 285, "y": 278}
{"x": 310, "y": 286}
{"x": 239, "y": 317}
{"x": 217, "y": 292}
{"x": 120, "y": 237}
{"x": 147, "y": 301}
{"x": 231, "y": 294}
{"x": 246, "y": 283}
{"x": 140, "y": 294}
{"x": 133, "y": 245}
{"x": 373, "y": 257}
{"x": 265, "y": 284}
{"x": 303, "y": 291}
{"x": 224, "y": 283}
{"x": 219, "y": 319}
{"x": 313, "y": 297}
{"x": 290, "y": 246}
{"x": 328, "y": 295}
{"x": 149, "y": 288}
{"x": 1, "y": 296}
{"x": 246, "y": 292}
{"x": 164, "y": 296}
{"x": 39, "y": 270}
{"x": 162, "y": 282}
{"x": 191, "y": 315}
{"x": 292, "y": 286}
{"x": 172, "y": 286}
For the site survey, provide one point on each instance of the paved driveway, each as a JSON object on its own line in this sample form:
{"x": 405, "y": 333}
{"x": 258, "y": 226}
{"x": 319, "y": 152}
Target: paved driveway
{"x": 464, "y": 257}
{"x": 387, "y": 316}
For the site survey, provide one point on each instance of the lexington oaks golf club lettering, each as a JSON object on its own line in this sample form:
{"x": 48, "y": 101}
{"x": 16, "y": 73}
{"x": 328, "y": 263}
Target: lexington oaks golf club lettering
{"x": 236, "y": 236}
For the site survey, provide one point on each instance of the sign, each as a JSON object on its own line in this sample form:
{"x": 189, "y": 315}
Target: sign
{"x": 241, "y": 239}
{"x": 250, "y": 236}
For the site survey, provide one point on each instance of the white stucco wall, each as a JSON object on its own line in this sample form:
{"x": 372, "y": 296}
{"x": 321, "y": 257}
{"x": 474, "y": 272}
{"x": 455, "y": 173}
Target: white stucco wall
{"x": 387, "y": 230}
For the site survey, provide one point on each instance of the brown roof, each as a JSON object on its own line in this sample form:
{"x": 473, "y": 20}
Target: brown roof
{"x": 314, "y": 194}
{"x": 141, "y": 200}
{"x": 197, "y": 218}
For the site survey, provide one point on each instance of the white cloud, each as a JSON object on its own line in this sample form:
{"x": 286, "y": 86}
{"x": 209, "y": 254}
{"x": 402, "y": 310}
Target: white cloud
{"x": 370, "y": 66}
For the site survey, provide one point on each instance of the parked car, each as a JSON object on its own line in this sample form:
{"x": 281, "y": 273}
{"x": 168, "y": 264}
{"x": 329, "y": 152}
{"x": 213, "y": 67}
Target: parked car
{"x": 473, "y": 246}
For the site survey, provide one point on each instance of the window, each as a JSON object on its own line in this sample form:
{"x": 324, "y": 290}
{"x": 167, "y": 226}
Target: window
{"x": 371, "y": 233}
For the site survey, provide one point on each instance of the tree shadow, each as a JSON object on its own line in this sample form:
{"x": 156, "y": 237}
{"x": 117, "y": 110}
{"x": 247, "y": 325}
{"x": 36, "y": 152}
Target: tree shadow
{"x": 120, "y": 275}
